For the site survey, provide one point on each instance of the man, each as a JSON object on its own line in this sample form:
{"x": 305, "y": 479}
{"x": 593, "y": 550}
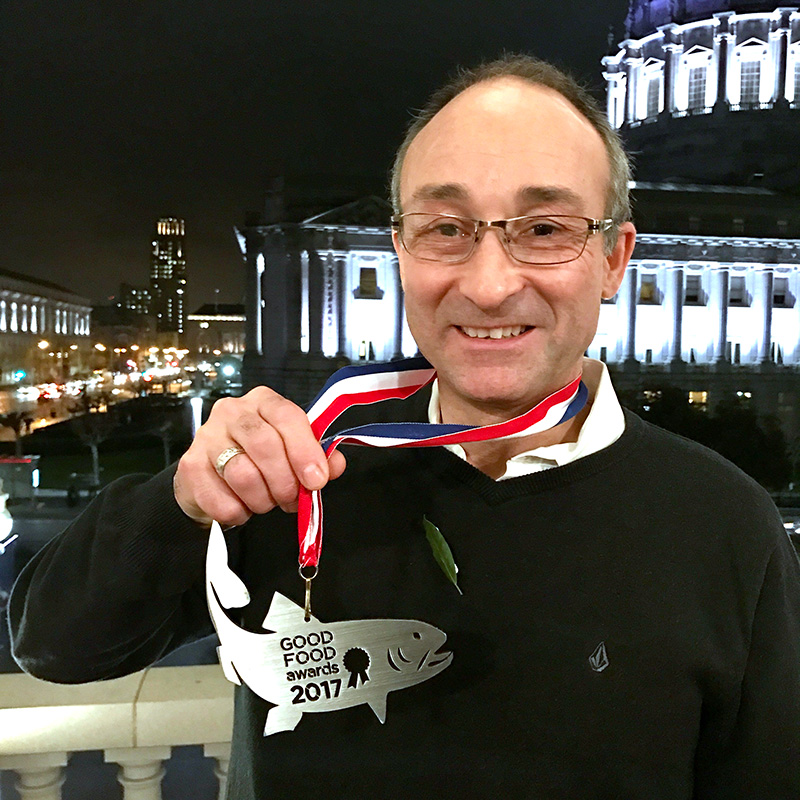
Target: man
{"x": 630, "y": 618}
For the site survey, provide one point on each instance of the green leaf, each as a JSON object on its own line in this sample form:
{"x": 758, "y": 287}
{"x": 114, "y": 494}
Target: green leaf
{"x": 441, "y": 552}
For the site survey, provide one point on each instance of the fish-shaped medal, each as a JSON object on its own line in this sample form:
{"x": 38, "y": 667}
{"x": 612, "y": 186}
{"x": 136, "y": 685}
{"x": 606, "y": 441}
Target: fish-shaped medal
{"x": 304, "y": 667}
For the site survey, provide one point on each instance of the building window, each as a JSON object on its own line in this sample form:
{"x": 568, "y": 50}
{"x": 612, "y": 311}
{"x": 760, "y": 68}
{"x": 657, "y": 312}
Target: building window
{"x": 698, "y": 400}
{"x": 751, "y": 81}
{"x": 697, "y": 86}
{"x": 797, "y": 78}
{"x": 693, "y": 291}
{"x": 781, "y": 297}
{"x": 648, "y": 290}
{"x": 654, "y": 95}
{"x": 737, "y": 296}
{"x": 368, "y": 288}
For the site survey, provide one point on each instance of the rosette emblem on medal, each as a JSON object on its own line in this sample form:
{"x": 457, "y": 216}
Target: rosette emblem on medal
{"x": 308, "y": 667}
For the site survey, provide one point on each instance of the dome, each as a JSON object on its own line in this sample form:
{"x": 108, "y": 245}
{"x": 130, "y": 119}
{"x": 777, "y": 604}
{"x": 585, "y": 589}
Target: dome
{"x": 646, "y": 16}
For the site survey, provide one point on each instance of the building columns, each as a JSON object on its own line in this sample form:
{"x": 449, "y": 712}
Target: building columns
{"x": 398, "y": 310}
{"x": 676, "y": 299}
{"x": 722, "y": 41}
{"x": 632, "y": 62}
{"x": 292, "y": 310}
{"x": 766, "y": 281}
{"x": 254, "y": 269}
{"x": 782, "y": 33}
{"x": 315, "y": 304}
{"x": 720, "y": 307}
{"x": 631, "y": 297}
{"x": 341, "y": 305}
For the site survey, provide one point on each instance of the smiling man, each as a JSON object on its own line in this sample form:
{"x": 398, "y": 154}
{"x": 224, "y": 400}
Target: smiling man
{"x": 627, "y": 620}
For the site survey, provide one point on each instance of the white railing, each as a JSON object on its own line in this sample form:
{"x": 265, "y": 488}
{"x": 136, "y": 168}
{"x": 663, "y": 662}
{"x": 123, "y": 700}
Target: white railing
{"x": 134, "y": 720}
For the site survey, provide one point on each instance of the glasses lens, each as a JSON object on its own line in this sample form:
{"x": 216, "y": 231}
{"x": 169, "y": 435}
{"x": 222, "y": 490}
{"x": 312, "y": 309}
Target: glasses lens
{"x": 547, "y": 240}
{"x": 433, "y": 237}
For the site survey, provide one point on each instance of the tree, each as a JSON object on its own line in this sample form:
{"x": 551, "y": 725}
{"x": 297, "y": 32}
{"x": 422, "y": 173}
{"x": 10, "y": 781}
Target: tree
{"x": 168, "y": 430}
{"x": 734, "y": 430}
{"x": 92, "y": 430}
{"x": 16, "y": 420}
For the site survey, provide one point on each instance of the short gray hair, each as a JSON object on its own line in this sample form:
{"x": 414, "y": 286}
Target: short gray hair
{"x": 539, "y": 73}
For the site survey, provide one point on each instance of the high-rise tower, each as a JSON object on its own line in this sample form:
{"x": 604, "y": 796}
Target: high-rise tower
{"x": 168, "y": 275}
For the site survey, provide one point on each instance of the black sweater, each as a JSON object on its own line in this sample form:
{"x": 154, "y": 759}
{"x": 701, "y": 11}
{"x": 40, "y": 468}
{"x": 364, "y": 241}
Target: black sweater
{"x": 656, "y": 547}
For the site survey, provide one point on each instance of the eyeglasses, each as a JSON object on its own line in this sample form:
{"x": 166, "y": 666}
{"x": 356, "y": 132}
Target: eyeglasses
{"x": 450, "y": 239}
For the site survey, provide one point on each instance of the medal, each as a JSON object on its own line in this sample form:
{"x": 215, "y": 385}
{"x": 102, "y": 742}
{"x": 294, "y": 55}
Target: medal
{"x": 307, "y": 666}
{"x": 302, "y": 665}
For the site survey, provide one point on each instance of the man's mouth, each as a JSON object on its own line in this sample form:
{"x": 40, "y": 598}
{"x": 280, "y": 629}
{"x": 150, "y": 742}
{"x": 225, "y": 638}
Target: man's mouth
{"x": 506, "y": 332}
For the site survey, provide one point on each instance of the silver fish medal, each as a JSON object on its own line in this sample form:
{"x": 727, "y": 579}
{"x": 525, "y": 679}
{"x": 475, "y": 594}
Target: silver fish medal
{"x": 305, "y": 666}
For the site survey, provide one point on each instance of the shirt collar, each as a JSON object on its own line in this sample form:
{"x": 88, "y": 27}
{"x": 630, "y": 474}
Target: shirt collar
{"x": 604, "y": 424}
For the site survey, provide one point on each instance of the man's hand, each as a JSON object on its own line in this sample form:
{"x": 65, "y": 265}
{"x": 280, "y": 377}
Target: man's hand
{"x": 280, "y": 453}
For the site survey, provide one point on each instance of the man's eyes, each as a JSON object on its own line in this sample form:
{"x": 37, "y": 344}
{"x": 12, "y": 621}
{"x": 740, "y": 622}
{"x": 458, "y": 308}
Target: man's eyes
{"x": 536, "y": 228}
{"x": 447, "y": 229}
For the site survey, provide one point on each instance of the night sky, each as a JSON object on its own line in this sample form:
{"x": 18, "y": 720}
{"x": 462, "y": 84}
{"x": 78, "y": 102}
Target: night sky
{"x": 117, "y": 112}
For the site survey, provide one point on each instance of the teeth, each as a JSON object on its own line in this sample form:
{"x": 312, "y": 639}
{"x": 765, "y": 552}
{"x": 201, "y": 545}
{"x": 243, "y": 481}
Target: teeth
{"x": 494, "y": 333}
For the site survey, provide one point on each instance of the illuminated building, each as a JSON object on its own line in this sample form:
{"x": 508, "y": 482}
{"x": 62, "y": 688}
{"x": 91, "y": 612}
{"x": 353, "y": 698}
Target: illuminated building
{"x": 321, "y": 293}
{"x": 168, "y": 276}
{"x": 44, "y": 330}
{"x": 706, "y": 96}
{"x": 136, "y": 299}
{"x": 216, "y": 328}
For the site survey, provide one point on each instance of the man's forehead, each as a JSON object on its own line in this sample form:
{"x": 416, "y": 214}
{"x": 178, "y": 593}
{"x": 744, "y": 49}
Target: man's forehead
{"x": 524, "y": 195}
{"x": 502, "y": 124}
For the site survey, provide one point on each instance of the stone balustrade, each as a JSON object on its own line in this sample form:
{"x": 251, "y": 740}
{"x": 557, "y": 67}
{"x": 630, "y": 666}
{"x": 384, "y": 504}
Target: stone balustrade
{"x": 134, "y": 720}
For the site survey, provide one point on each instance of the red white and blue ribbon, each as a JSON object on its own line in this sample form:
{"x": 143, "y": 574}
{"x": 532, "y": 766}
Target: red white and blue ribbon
{"x": 372, "y": 383}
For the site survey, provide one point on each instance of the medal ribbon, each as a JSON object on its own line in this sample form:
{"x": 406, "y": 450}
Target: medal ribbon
{"x": 372, "y": 383}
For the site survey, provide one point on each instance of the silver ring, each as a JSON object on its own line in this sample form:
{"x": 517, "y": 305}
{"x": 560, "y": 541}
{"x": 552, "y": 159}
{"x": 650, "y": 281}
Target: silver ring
{"x": 225, "y": 456}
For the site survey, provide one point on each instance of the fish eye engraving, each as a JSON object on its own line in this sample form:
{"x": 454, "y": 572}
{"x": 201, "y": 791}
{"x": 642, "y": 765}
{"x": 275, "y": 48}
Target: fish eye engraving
{"x": 417, "y": 635}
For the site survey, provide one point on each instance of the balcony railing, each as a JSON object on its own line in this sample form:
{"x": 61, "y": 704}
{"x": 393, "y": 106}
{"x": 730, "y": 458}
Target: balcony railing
{"x": 134, "y": 720}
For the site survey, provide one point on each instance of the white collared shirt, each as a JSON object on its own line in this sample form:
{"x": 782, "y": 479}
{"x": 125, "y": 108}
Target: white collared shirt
{"x": 604, "y": 424}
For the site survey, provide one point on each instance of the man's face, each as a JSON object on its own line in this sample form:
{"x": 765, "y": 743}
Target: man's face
{"x": 503, "y": 149}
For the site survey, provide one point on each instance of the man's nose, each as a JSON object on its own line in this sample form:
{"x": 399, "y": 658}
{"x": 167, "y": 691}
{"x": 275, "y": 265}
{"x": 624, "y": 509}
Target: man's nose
{"x": 490, "y": 276}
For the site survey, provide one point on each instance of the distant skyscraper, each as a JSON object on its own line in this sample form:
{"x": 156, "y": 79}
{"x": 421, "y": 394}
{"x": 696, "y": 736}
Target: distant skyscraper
{"x": 168, "y": 275}
{"x": 134, "y": 298}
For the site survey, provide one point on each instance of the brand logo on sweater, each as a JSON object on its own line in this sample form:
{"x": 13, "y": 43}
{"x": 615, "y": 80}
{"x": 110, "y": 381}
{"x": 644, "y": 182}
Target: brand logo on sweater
{"x": 598, "y": 660}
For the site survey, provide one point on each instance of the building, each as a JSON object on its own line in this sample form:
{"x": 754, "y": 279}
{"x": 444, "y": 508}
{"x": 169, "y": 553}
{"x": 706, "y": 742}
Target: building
{"x": 321, "y": 293}
{"x": 708, "y": 91}
{"x": 168, "y": 276}
{"x": 136, "y": 299}
{"x": 44, "y": 330}
{"x": 216, "y": 329}
{"x": 705, "y": 95}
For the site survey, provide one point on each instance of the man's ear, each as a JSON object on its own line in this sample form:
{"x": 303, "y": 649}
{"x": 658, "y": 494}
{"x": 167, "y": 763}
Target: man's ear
{"x": 617, "y": 260}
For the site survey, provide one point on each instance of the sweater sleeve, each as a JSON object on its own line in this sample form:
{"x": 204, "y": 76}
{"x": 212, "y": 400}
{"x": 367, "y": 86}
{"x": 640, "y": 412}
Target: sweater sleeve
{"x": 119, "y": 588}
{"x": 761, "y": 757}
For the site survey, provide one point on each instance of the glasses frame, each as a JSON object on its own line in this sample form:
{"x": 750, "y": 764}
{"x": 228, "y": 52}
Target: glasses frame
{"x": 593, "y": 226}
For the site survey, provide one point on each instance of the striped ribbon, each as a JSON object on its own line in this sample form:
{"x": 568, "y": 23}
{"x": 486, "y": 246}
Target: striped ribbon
{"x": 372, "y": 383}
